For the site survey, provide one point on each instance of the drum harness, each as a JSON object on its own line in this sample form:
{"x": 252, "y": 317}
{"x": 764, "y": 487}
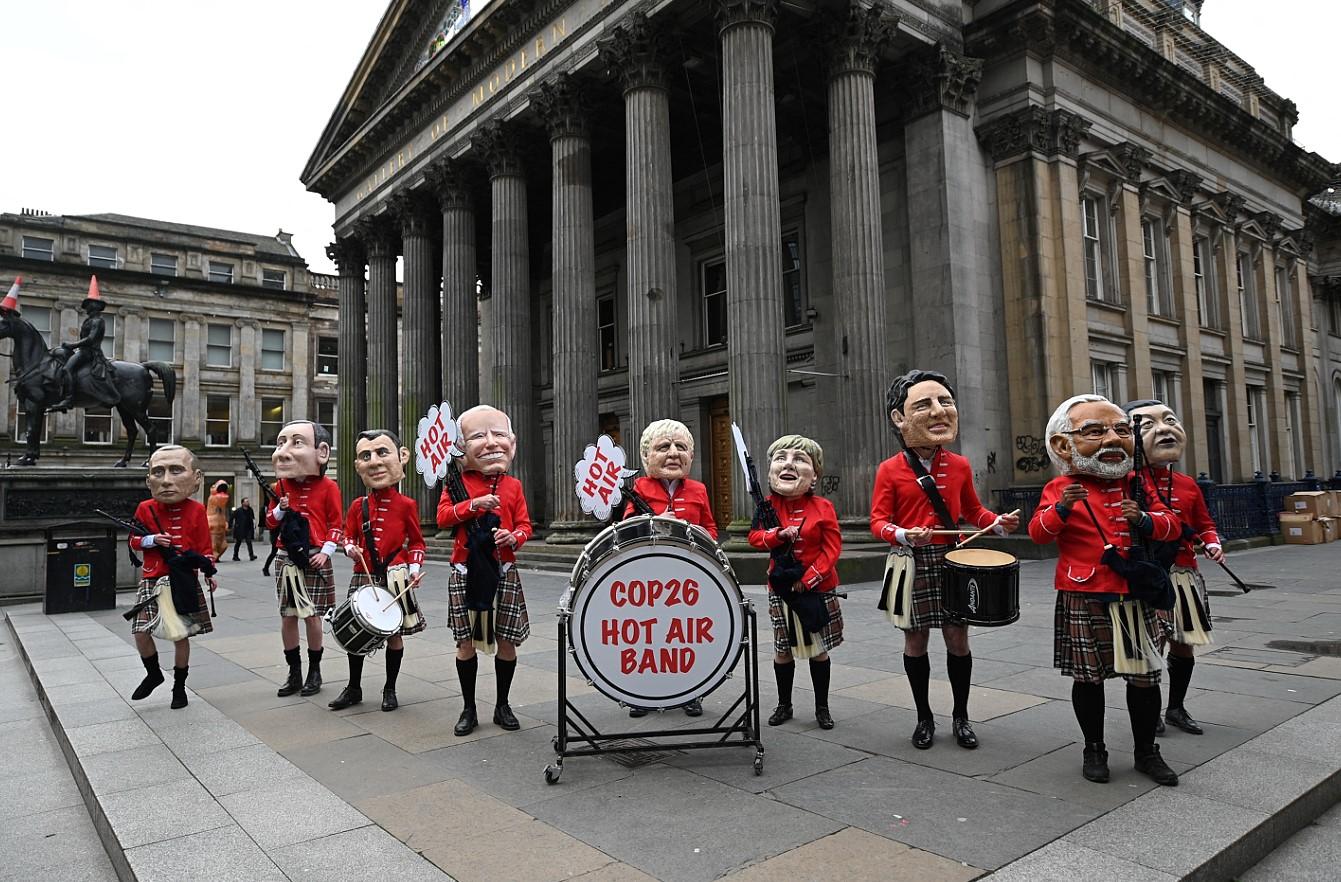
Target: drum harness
{"x": 894, "y": 599}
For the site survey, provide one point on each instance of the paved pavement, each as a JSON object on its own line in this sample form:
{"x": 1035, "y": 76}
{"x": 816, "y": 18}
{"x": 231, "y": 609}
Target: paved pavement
{"x": 858, "y": 797}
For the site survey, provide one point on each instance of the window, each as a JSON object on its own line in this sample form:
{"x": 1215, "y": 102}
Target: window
{"x": 326, "y": 415}
{"x": 1094, "y": 217}
{"x": 712, "y": 289}
{"x": 219, "y": 346}
{"x": 40, "y": 318}
{"x": 1166, "y": 388}
{"x": 221, "y": 272}
{"x": 37, "y": 248}
{"x": 218, "y": 414}
{"x": 1293, "y": 436}
{"x": 20, "y": 421}
{"x": 102, "y": 256}
{"x": 1106, "y": 380}
{"x": 163, "y": 264}
{"x": 273, "y": 278}
{"x": 1208, "y": 302}
{"x": 1159, "y": 293}
{"x": 161, "y": 421}
{"x": 606, "y": 332}
{"x": 1213, "y": 394}
{"x": 109, "y": 335}
{"x": 328, "y": 356}
{"x": 1243, "y": 273}
{"x": 97, "y": 425}
{"x": 272, "y": 420}
{"x": 272, "y": 349}
{"x": 1289, "y": 333}
{"x": 1256, "y": 433}
{"x": 1334, "y": 312}
{"x": 793, "y": 293}
{"x": 162, "y": 340}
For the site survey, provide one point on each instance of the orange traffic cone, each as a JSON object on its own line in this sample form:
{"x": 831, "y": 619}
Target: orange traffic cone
{"x": 93, "y": 293}
{"x": 11, "y": 301}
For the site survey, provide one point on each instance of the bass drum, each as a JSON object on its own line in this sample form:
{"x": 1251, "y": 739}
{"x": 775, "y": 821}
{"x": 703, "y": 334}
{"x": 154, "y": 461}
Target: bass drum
{"x": 656, "y": 617}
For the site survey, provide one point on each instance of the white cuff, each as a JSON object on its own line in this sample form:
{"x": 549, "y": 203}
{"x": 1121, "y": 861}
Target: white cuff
{"x": 146, "y": 542}
{"x": 1212, "y": 546}
{"x": 414, "y": 569}
{"x": 328, "y": 548}
{"x": 901, "y": 536}
{"x": 999, "y": 530}
{"x": 277, "y": 512}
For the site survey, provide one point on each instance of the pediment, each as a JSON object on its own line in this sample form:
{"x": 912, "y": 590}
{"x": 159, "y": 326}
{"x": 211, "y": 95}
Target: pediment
{"x": 1254, "y": 230}
{"x": 1160, "y": 188}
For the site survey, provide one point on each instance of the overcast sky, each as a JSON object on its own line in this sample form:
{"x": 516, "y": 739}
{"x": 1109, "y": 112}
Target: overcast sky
{"x": 206, "y": 113}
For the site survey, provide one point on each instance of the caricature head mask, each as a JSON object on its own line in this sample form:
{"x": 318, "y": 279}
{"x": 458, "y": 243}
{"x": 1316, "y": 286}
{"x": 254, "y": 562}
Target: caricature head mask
{"x": 1090, "y": 435}
{"x": 795, "y": 463}
{"x": 487, "y": 440}
{"x": 380, "y": 459}
{"x": 302, "y": 450}
{"x": 921, "y": 407}
{"x": 173, "y": 474}
{"x": 1163, "y": 438}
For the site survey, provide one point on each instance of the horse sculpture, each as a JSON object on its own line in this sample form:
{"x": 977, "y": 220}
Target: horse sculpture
{"x": 37, "y": 382}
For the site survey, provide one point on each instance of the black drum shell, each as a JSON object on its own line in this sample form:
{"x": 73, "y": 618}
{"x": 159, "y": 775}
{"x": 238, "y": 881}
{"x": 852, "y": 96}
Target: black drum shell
{"x": 986, "y": 596}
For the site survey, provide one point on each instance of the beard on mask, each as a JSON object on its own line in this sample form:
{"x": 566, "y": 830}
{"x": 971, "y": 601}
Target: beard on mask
{"x": 1093, "y": 465}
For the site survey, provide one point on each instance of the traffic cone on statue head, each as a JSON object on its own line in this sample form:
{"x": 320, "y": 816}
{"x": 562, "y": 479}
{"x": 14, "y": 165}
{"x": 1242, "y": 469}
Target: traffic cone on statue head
{"x": 94, "y": 294}
{"x": 11, "y": 301}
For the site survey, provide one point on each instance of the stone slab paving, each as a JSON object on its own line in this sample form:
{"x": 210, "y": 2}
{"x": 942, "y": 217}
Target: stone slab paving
{"x": 857, "y": 800}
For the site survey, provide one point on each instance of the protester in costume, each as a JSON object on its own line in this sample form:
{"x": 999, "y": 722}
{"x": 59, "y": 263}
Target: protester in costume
{"x": 810, "y": 530}
{"x": 485, "y": 601}
{"x": 667, "y": 451}
{"x": 1086, "y": 511}
{"x": 1188, "y": 624}
{"x": 311, "y": 503}
{"x": 175, "y": 548}
{"x": 923, "y": 488}
{"x": 382, "y": 533}
{"x": 216, "y": 513}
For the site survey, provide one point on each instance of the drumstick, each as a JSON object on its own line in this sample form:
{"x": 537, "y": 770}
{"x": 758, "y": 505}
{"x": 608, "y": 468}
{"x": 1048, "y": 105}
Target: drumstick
{"x": 994, "y": 522}
{"x": 397, "y": 598}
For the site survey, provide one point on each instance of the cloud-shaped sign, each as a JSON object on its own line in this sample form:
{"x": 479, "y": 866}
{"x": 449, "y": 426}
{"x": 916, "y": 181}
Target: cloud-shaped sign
{"x": 435, "y": 443}
{"x": 600, "y": 475}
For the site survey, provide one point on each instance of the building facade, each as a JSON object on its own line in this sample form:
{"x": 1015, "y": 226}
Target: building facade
{"x": 761, "y": 212}
{"x": 249, "y": 332}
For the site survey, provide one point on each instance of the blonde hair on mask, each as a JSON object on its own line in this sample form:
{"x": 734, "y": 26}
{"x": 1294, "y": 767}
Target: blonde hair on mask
{"x": 808, "y": 446}
{"x": 662, "y": 429}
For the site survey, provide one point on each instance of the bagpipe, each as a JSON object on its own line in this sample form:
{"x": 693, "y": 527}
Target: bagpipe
{"x": 484, "y": 572}
{"x": 294, "y": 538}
{"x": 807, "y": 611}
{"x": 183, "y": 596}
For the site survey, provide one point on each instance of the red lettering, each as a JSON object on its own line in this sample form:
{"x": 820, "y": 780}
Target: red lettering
{"x": 691, "y": 592}
{"x": 627, "y": 660}
{"x": 604, "y": 492}
{"x": 589, "y": 487}
{"x": 618, "y": 593}
{"x": 594, "y": 472}
{"x": 703, "y": 630}
{"x": 654, "y": 590}
{"x": 670, "y": 660}
{"x": 609, "y": 631}
{"x": 675, "y": 633}
{"x": 628, "y": 629}
{"x": 648, "y": 662}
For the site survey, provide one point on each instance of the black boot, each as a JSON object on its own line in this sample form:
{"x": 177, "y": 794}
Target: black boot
{"x": 465, "y": 674}
{"x": 819, "y": 678}
{"x": 1096, "y": 762}
{"x": 393, "y": 660}
{"x": 179, "y": 687}
{"x": 295, "y": 682}
{"x": 352, "y": 694}
{"x": 1151, "y": 764}
{"x": 312, "y": 685}
{"x": 153, "y": 676}
{"x": 503, "y": 716}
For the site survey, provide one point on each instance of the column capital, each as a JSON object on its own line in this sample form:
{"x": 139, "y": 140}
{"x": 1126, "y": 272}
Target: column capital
{"x": 412, "y": 212}
{"x": 348, "y": 256}
{"x": 379, "y": 235}
{"x": 730, "y": 13}
{"x": 635, "y": 52}
{"x": 856, "y": 38}
{"x": 941, "y": 79}
{"x": 562, "y": 104}
{"x": 1186, "y": 183}
{"x": 496, "y": 141}
{"x": 447, "y": 180}
{"x": 1054, "y": 132}
{"x": 1270, "y": 222}
{"x": 247, "y": 323}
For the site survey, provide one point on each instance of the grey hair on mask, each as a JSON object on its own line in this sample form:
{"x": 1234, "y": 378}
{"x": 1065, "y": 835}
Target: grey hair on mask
{"x": 1060, "y": 423}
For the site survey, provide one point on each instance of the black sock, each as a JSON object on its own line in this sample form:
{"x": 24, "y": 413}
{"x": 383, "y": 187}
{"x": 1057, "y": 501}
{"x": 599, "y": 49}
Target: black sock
{"x": 393, "y": 657}
{"x": 960, "y": 669}
{"x": 784, "y": 674}
{"x": 314, "y": 658}
{"x": 1180, "y": 675}
{"x": 504, "y": 669}
{"x": 1143, "y": 706}
{"x": 355, "y": 671}
{"x": 295, "y": 659}
{"x": 819, "y": 678}
{"x": 465, "y": 673}
{"x": 1087, "y": 700}
{"x": 918, "y": 669}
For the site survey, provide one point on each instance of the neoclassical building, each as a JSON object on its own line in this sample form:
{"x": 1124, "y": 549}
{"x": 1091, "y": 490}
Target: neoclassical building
{"x": 761, "y": 212}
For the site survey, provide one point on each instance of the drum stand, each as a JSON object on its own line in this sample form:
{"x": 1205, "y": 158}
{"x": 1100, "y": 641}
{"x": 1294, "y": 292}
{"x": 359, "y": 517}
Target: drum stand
{"x": 740, "y": 719}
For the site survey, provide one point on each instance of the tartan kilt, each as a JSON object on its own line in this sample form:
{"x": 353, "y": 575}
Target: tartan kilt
{"x": 1082, "y": 639}
{"x": 927, "y": 610}
{"x": 830, "y": 636}
{"x": 320, "y": 586}
{"x": 200, "y": 622}
{"x": 1168, "y": 630}
{"x": 361, "y": 579}
{"x": 511, "y": 624}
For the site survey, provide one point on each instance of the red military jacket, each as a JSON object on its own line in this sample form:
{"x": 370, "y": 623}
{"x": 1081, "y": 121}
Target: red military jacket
{"x": 512, "y": 512}
{"x": 899, "y": 502}
{"x": 817, "y": 546}
{"x": 184, "y": 523}
{"x": 395, "y": 526}
{"x": 1079, "y": 544}
{"x": 1181, "y": 494}
{"x": 317, "y": 499}
{"x": 690, "y": 502}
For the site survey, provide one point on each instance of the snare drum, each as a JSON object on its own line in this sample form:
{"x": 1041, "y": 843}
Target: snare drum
{"x": 365, "y": 620}
{"x": 982, "y": 587}
{"x": 656, "y": 617}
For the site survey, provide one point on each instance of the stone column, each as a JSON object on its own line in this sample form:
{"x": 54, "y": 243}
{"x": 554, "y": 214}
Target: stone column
{"x": 636, "y": 54}
{"x": 382, "y": 242}
{"x": 858, "y": 255}
{"x": 756, "y": 354}
{"x": 576, "y": 414}
{"x": 191, "y": 423}
{"x": 300, "y": 371}
{"x": 460, "y": 298}
{"x": 509, "y": 378}
{"x": 247, "y": 405}
{"x": 351, "y": 410}
{"x": 420, "y": 335}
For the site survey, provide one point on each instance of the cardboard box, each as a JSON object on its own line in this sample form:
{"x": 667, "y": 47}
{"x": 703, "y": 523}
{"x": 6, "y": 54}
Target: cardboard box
{"x": 1314, "y": 503}
{"x": 1300, "y": 529}
{"x": 1336, "y": 503}
{"x": 1331, "y": 528}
